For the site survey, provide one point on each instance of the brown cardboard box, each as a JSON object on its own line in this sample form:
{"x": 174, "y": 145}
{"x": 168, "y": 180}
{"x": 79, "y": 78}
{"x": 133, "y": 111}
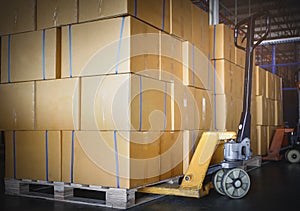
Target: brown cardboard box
{"x": 226, "y": 112}
{"x": 200, "y": 30}
{"x": 224, "y": 77}
{"x": 260, "y": 148}
{"x": 58, "y": 104}
{"x": 261, "y": 110}
{"x": 155, "y": 12}
{"x": 197, "y": 69}
{"x": 101, "y": 51}
{"x": 37, "y": 155}
{"x": 171, "y": 158}
{"x": 270, "y": 85}
{"x": 204, "y": 108}
{"x": 17, "y": 16}
{"x": 56, "y": 13}
{"x": 221, "y": 42}
{"x": 17, "y": 110}
{"x": 271, "y": 112}
{"x": 171, "y": 68}
{"x": 278, "y": 112}
{"x": 239, "y": 54}
{"x": 260, "y": 81}
{"x": 33, "y": 56}
{"x": 111, "y": 158}
{"x": 124, "y": 102}
{"x": 181, "y": 19}
{"x": 278, "y": 87}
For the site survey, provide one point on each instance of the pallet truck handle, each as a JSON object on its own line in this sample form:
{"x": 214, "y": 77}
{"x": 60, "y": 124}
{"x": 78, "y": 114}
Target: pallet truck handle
{"x": 244, "y": 24}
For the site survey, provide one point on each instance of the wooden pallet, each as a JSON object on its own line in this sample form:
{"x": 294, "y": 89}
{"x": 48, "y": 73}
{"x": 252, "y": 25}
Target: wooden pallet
{"x": 80, "y": 194}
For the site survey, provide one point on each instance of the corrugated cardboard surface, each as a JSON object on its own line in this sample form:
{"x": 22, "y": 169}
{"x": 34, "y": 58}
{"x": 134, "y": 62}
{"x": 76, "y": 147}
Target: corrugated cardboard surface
{"x": 124, "y": 102}
{"x": 33, "y": 56}
{"x": 17, "y": 107}
{"x": 17, "y": 16}
{"x": 181, "y": 19}
{"x": 221, "y": 42}
{"x": 121, "y": 159}
{"x": 117, "y": 50}
{"x": 278, "y": 110}
{"x": 37, "y": 155}
{"x": 155, "y": 13}
{"x": 270, "y": 85}
{"x": 205, "y": 108}
{"x": 260, "y": 81}
{"x": 200, "y": 30}
{"x": 56, "y": 13}
{"x": 261, "y": 146}
{"x": 197, "y": 69}
{"x": 262, "y": 110}
{"x": 58, "y": 104}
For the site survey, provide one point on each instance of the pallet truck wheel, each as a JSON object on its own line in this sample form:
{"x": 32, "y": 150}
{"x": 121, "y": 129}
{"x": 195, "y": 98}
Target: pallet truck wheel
{"x": 293, "y": 156}
{"x": 236, "y": 183}
{"x": 217, "y": 180}
{"x": 286, "y": 154}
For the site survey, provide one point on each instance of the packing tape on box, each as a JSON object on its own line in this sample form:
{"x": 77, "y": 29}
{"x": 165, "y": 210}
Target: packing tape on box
{"x": 141, "y": 104}
{"x": 8, "y": 59}
{"x": 193, "y": 64}
{"x": 46, "y": 143}
{"x": 72, "y": 157}
{"x": 43, "y": 54}
{"x": 70, "y": 50}
{"x": 116, "y": 159}
{"x": 14, "y": 154}
{"x": 120, "y": 44}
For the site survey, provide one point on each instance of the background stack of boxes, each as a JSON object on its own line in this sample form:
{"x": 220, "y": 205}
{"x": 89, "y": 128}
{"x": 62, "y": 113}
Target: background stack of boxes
{"x": 116, "y": 93}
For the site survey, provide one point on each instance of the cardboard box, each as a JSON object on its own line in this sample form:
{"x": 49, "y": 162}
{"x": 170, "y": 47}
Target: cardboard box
{"x": 222, "y": 42}
{"x": 56, "y": 13}
{"x": 197, "y": 69}
{"x": 270, "y": 85}
{"x": 228, "y": 78}
{"x": 181, "y": 19}
{"x": 278, "y": 112}
{"x": 261, "y": 110}
{"x": 205, "y": 107}
{"x": 32, "y": 56}
{"x": 17, "y": 16}
{"x": 171, "y": 68}
{"x": 260, "y": 81}
{"x": 17, "y": 110}
{"x": 239, "y": 54}
{"x": 200, "y": 30}
{"x": 124, "y": 102}
{"x": 37, "y": 155}
{"x": 271, "y": 112}
{"x": 118, "y": 45}
{"x": 261, "y": 147}
{"x": 228, "y": 112}
{"x": 58, "y": 104}
{"x": 120, "y": 159}
{"x": 156, "y": 13}
{"x": 278, "y": 87}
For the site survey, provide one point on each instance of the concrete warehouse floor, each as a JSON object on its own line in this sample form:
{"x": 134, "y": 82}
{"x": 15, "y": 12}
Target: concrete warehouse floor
{"x": 275, "y": 186}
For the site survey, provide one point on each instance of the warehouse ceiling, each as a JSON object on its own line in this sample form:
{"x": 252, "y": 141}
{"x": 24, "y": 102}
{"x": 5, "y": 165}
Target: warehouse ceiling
{"x": 285, "y": 23}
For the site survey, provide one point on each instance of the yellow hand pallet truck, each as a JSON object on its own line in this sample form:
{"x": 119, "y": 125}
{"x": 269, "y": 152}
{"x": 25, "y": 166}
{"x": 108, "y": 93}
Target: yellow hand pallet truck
{"x": 230, "y": 177}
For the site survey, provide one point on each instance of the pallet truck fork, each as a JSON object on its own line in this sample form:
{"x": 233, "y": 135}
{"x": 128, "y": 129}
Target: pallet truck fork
{"x": 230, "y": 175}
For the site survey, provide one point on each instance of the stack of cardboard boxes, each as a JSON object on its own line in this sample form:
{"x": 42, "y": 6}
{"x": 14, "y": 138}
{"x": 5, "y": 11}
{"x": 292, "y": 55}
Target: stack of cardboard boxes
{"x": 269, "y": 108}
{"x": 114, "y": 93}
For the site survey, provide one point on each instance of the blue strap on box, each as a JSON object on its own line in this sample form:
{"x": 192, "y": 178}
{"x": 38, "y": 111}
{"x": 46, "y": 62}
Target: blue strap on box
{"x": 119, "y": 45}
{"x": 43, "y": 54}
{"x": 14, "y": 154}
{"x": 8, "y": 58}
{"x": 72, "y": 157}
{"x": 116, "y": 159}
{"x": 70, "y": 50}
{"x": 46, "y": 143}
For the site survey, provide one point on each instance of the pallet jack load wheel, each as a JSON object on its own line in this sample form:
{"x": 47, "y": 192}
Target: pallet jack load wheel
{"x": 293, "y": 156}
{"x": 236, "y": 183}
{"x": 217, "y": 180}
